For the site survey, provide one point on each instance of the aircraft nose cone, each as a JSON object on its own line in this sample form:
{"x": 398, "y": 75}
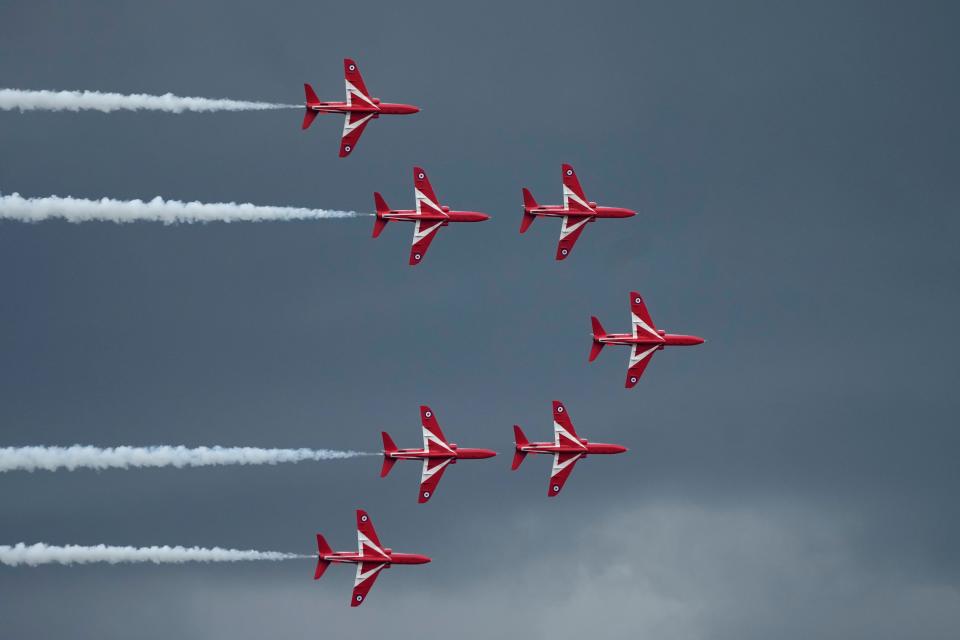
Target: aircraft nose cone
{"x": 620, "y": 449}
{"x": 487, "y": 453}
{"x": 481, "y": 217}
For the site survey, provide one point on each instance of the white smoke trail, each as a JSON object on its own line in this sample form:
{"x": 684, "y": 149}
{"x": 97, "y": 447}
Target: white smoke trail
{"x": 106, "y": 102}
{"x": 16, "y": 207}
{"x": 85, "y": 457}
{"x": 40, "y": 553}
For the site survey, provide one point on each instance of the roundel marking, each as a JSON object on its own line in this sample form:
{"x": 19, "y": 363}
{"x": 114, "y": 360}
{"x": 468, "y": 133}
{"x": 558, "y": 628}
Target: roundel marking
{"x": 563, "y": 252}
{"x": 556, "y": 488}
{"x": 560, "y": 409}
{"x": 428, "y": 414}
{"x": 633, "y": 380}
{"x": 347, "y": 148}
{"x": 569, "y": 172}
{"x": 363, "y": 518}
{"x": 416, "y": 256}
{"x": 420, "y": 175}
{"x": 637, "y": 300}
{"x": 426, "y": 494}
{"x": 353, "y": 67}
{"x": 359, "y": 598}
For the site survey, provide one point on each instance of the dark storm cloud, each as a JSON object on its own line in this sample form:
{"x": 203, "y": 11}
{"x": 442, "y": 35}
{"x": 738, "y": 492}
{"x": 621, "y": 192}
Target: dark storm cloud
{"x": 794, "y": 169}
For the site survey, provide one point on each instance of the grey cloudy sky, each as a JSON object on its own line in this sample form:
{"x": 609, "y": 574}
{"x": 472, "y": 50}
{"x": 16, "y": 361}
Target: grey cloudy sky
{"x": 795, "y": 167}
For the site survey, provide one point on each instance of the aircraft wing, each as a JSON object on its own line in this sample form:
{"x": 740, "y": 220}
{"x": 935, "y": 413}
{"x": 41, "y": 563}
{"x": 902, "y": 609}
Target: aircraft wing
{"x": 640, "y": 317}
{"x": 423, "y": 233}
{"x": 564, "y": 434}
{"x": 433, "y": 438}
{"x": 355, "y": 86}
{"x": 640, "y": 356}
{"x": 367, "y": 573}
{"x": 573, "y": 198}
{"x": 367, "y": 540}
{"x": 423, "y": 194}
{"x": 563, "y": 464}
{"x": 433, "y": 469}
{"x": 353, "y": 125}
{"x": 569, "y": 232}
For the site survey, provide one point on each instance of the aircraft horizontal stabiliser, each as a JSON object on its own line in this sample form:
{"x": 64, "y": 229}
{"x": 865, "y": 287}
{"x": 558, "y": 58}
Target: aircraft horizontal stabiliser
{"x": 437, "y": 453}
{"x": 358, "y": 108}
{"x": 567, "y": 448}
{"x": 644, "y": 340}
{"x": 371, "y": 558}
{"x": 428, "y": 217}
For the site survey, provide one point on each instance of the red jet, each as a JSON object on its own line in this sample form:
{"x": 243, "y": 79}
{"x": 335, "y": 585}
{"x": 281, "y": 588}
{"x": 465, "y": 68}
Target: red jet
{"x": 429, "y": 216}
{"x": 359, "y": 108}
{"x": 436, "y": 454}
{"x": 370, "y": 558}
{"x": 576, "y": 212}
{"x": 644, "y": 340}
{"x": 566, "y": 448}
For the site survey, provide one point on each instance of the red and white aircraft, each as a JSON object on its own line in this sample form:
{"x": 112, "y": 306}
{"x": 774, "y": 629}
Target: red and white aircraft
{"x": 436, "y": 454}
{"x": 566, "y": 448}
{"x": 371, "y": 558}
{"x": 576, "y": 212}
{"x": 644, "y": 340}
{"x": 359, "y": 108}
{"x": 428, "y": 217}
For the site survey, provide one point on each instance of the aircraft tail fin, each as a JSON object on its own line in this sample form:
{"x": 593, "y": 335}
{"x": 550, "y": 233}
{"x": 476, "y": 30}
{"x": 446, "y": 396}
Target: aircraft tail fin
{"x": 528, "y": 203}
{"x": 388, "y": 447}
{"x": 322, "y": 549}
{"x": 521, "y": 440}
{"x": 310, "y": 115}
{"x": 598, "y": 333}
{"x": 382, "y": 208}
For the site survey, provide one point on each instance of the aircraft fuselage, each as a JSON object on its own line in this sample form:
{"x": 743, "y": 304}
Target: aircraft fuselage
{"x": 353, "y": 557}
{"x": 388, "y": 108}
{"x": 666, "y": 339}
{"x": 557, "y": 211}
{"x": 599, "y": 448}
{"x": 410, "y": 215}
{"x": 419, "y": 454}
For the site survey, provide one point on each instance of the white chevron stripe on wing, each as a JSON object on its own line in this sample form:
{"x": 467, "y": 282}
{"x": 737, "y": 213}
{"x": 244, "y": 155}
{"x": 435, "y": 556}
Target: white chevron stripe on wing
{"x": 559, "y": 430}
{"x": 353, "y": 91}
{"x": 421, "y": 231}
{"x": 364, "y": 540}
{"x": 569, "y": 195}
{"x": 428, "y": 437}
{"x": 636, "y": 356}
{"x": 566, "y": 229}
{"x": 558, "y": 466}
{"x": 429, "y": 472}
{"x": 363, "y": 576}
{"x": 422, "y": 199}
{"x": 637, "y": 322}
{"x": 348, "y": 126}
